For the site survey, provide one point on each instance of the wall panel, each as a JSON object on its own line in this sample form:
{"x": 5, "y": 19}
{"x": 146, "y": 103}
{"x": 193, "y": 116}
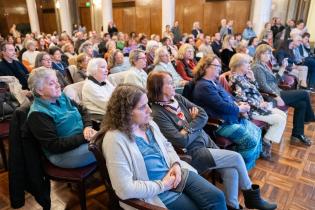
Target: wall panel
{"x": 209, "y": 14}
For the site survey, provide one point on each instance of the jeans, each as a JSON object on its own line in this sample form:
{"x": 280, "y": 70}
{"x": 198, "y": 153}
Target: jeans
{"x": 233, "y": 171}
{"x": 75, "y": 158}
{"x": 303, "y": 112}
{"x": 199, "y": 194}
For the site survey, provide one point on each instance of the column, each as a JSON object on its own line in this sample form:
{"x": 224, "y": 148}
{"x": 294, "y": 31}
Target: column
{"x": 64, "y": 13}
{"x": 107, "y": 13}
{"x": 97, "y": 17}
{"x": 311, "y": 21}
{"x": 32, "y": 14}
{"x": 168, "y": 13}
{"x": 260, "y": 14}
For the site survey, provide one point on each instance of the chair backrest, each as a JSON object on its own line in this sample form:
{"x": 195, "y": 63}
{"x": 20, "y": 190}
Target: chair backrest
{"x": 224, "y": 81}
{"x": 74, "y": 91}
{"x": 117, "y": 78}
{"x": 95, "y": 146}
{"x": 188, "y": 90}
{"x": 72, "y": 69}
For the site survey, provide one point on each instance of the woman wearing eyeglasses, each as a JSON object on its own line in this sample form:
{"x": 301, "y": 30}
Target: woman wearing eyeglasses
{"x": 136, "y": 75}
{"x": 219, "y": 104}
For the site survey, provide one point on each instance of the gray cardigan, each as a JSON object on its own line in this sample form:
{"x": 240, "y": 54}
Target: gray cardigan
{"x": 196, "y": 141}
{"x": 267, "y": 81}
{"x": 127, "y": 169}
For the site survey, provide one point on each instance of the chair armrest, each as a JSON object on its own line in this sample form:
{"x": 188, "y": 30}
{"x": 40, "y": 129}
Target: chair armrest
{"x": 141, "y": 205}
{"x": 265, "y": 94}
{"x": 285, "y": 87}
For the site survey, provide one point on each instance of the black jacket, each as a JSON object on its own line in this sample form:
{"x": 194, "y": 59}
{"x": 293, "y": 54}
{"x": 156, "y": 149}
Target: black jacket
{"x": 25, "y": 169}
{"x": 15, "y": 69}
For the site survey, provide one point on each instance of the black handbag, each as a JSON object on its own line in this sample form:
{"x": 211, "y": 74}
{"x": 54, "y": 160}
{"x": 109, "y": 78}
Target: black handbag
{"x": 8, "y": 102}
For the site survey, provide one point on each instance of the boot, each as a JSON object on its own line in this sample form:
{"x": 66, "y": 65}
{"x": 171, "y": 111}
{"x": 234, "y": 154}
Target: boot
{"x": 253, "y": 200}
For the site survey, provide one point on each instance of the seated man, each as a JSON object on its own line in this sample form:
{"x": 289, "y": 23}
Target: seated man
{"x": 10, "y": 66}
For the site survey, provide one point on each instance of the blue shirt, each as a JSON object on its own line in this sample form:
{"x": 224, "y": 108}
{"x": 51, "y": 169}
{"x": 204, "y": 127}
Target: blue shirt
{"x": 155, "y": 164}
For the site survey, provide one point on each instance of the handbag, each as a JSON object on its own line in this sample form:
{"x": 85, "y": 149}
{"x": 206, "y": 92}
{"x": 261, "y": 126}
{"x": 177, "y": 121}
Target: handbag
{"x": 8, "y": 102}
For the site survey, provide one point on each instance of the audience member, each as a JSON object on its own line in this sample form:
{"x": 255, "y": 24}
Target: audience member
{"x": 248, "y": 32}
{"x": 135, "y": 147}
{"x": 117, "y": 62}
{"x": 185, "y": 62}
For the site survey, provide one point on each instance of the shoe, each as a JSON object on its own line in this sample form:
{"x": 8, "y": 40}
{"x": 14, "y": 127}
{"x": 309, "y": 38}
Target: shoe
{"x": 302, "y": 139}
{"x": 253, "y": 200}
{"x": 266, "y": 151}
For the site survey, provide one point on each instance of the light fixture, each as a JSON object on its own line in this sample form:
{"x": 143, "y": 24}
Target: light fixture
{"x": 97, "y": 3}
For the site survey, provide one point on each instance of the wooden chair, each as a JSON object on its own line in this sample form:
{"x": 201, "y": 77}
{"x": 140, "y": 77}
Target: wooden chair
{"x": 4, "y": 133}
{"x": 69, "y": 175}
{"x": 95, "y": 146}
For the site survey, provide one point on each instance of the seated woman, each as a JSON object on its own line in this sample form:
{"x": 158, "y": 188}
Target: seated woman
{"x": 80, "y": 72}
{"x": 181, "y": 122}
{"x": 57, "y": 62}
{"x": 141, "y": 162}
{"x": 162, "y": 62}
{"x": 117, "y": 62}
{"x": 44, "y": 59}
{"x": 244, "y": 89}
{"x": 97, "y": 90}
{"x": 219, "y": 104}
{"x": 60, "y": 126}
{"x": 185, "y": 62}
{"x": 136, "y": 75}
{"x": 298, "y": 99}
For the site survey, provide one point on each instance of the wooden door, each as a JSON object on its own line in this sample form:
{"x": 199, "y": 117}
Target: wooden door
{"x": 85, "y": 17}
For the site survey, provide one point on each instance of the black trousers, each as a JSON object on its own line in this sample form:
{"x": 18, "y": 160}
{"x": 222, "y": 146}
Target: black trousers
{"x": 300, "y": 101}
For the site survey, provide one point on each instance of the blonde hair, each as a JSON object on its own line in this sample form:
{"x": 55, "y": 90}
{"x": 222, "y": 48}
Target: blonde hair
{"x": 238, "y": 59}
{"x": 226, "y": 41}
{"x": 182, "y": 50}
{"x": 260, "y": 50}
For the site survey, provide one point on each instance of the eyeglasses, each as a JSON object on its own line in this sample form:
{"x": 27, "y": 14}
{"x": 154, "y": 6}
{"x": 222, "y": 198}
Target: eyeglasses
{"x": 143, "y": 58}
{"x": 218, "y": 67}
{"x": 47, "y": 59}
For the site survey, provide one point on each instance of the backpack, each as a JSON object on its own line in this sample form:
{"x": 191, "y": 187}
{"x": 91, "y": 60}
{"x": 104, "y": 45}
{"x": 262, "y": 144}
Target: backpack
{"x": 8, "y": 102}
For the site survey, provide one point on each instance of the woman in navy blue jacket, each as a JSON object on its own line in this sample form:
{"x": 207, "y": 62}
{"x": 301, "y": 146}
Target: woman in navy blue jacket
{"x": 219, "y": 104}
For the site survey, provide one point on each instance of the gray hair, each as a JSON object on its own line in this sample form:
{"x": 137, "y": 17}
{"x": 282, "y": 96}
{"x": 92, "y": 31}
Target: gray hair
{"x": 158, "y": 53}
{"x": 93, "y": 65}
{"x": 85, "y": 45}
{"x": 151, "y": 45}
{"x": 239, "y": 59}
{"x": 37, "y": 77}
{"x": 29, "y": 43}
{"x": 134, "y": 56}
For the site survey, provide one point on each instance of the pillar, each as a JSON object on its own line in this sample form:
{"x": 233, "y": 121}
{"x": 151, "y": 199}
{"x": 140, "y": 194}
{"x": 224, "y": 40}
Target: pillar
{"x": 311, "y": 21}
{"x": 168, "y": 13}
{"x": 107, "y": 13}
{"x": 64, "y": 14}
{"x": 260, "y": 14}
{"x": 33, "y": 16}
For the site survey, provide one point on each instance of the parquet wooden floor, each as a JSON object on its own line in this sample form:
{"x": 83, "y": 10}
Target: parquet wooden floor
{"x": 288, "y": 180}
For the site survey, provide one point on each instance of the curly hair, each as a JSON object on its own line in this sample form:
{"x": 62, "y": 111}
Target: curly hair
{"x": 203, "y": 64}
{"x": 120, "y": 106}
